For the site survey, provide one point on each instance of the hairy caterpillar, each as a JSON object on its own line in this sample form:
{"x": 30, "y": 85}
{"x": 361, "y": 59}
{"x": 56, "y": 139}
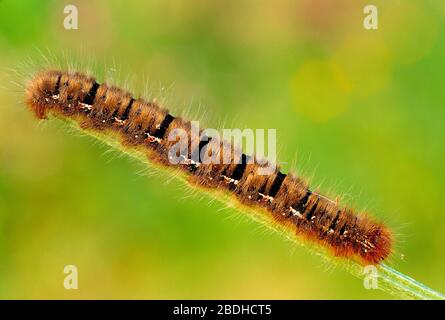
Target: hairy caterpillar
{"x": 144, "y": 125}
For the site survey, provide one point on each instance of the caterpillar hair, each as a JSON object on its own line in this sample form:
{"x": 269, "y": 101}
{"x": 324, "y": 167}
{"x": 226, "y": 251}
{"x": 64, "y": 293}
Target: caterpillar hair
{"x": 144, "y": 126}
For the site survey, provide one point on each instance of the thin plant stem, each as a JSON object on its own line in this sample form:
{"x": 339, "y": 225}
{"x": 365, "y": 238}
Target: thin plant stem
{"x": 400, "y": 285}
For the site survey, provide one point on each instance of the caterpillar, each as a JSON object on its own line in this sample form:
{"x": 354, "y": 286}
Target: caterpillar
{"x": 145, "y": 125}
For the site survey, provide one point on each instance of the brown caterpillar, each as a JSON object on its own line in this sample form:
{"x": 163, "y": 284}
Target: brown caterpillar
{"x": 144, "y": 126}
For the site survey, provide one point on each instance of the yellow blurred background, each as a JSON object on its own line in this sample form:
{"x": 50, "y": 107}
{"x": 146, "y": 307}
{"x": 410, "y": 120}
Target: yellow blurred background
{"x": 359, "y": 110}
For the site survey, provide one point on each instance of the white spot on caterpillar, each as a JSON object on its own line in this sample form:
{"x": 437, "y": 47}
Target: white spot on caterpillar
{"x": 119, "y": 121}
{"x": 83, "y": 106}
{"x": 230, "y": 180}
{"x": 150, "y": 138}
{"x": 266, "y": 198}
{"x": 295, "y": 212}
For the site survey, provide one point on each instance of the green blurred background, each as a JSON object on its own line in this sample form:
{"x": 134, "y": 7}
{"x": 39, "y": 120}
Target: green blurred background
{"x": 361, "y": 111}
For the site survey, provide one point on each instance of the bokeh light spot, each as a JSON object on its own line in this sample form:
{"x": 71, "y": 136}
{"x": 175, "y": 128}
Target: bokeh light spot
{"x": 366, "y": 62}
{"x": 410, "y": 31}
{"x": 320, "y": 89}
